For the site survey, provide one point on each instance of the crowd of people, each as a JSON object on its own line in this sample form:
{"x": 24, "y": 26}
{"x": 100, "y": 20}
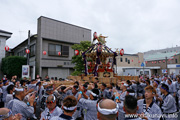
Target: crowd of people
{"x": 155, "y": 98}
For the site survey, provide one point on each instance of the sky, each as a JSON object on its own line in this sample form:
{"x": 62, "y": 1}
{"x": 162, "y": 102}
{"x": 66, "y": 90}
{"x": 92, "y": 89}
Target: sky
{"x": 134, "y": 25}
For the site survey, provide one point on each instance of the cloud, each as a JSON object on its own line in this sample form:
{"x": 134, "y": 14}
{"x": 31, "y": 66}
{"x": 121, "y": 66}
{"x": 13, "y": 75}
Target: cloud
{"x": 135, "y": 25}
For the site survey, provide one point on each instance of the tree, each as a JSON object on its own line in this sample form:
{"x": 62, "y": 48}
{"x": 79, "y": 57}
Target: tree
{"x": 78, "y": 60}
{"x": 12, "y": 65}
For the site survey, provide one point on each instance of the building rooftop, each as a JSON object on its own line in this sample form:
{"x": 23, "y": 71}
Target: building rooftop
{"x": 5, "y": 34}
{"x": 160, "y": 56}
{"x": 26, "y": 40}
{"x": 64, "y": 22}
{"x": 131, "y": 54}
{"x": 154, "y": 67}
{"x": 165, "y": 50}
{"x": 3, "y": 31}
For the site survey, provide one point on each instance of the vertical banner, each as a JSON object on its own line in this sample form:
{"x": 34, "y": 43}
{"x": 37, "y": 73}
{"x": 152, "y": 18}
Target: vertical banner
{"x": 25, "y": 71}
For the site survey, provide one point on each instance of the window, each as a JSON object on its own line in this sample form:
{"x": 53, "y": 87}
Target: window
{"x": 64, "y": 63}
{"x": 21, "y": 53}
{"x": 57, "y": 49}
{"x": 121, "y": 59}
{"x": 65, "y": 50}
{"x": 32, "y": 50}
{"x": 176, "y": 61}
{"x": 126, "y": 59}
{"x": 18, "y": 54}
{"x": 51, "y": 49}
{"x": 54, "y": 49}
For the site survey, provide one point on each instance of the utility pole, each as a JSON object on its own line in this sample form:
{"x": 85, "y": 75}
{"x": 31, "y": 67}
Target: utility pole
{"x": 166, "y": 65}
{"x": 143, "y": 70}
{"x": 28, "y": 47}
{"x": 117, "y": 51}
{"x": 143, "y": 66}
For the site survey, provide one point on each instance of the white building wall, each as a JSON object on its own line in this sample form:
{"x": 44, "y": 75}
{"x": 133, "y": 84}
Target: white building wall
{"x": 131, "y": 72}
{"x": 136, "y": 71}
{"x": 119, "y": 71}
{"x": 2, "y": 50}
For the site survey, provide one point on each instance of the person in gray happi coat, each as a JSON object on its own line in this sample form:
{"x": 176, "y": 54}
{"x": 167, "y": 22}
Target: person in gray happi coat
{"x": 10, "y": 90}
{"x": 178, "y": 83}
{"x": 124, "y": 92}
{"x": 129, "y": 84}
{"x": 130, "y": 107}
{"x": 72, "y": 90}
{"x": 39, "y": 94}
{"x": 42, "y": 100}
{"x": 6, "y": 114}
{"x": 158, "y": 92}
{"x": 75, "y": 93}
{"x": 168, "y": 105}
{"x": 87, "y": 92}
{"x": 51, "y": 109}
{"x": 17, "y": 105}
{"x": 121, "y": 112}
{"x": 40, "y": 90}
{"x": 89, "y": 105}
{"x": 139, "y": 91}
{"x": 147, "y": 106}
{"x": 4, "y": 89}
{"x": 32, "y": 85}
{"x": 134, "y": 86}
{"x": 62, "y": 93}
{"x": 69, "y": 107}
{"x": 1, "y": 95}
{"x": 105, "y": 93}
{"x": 172, "y": 88}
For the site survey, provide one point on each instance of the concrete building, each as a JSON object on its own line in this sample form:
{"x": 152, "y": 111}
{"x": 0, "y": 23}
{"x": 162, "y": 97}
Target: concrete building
{"x": 166, "y": 50}
{"x": 4, "y": 35}
{"x": 155, "y": 62}
{"x": 136, "y": 71}
{"x": 52, "y": 36}
{"x": 127, "y": 62}
{"x": 168, "y": 62}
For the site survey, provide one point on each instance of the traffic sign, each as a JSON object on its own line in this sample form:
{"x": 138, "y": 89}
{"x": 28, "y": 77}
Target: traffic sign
{"x": 142, "y": 64}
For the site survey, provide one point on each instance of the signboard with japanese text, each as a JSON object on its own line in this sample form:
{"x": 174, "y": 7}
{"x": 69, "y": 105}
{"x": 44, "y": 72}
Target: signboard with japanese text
{"x": 25, "y": 71}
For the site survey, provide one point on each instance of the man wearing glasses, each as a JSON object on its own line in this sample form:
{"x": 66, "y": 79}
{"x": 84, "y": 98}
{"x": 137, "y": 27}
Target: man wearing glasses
{"x": 51, "y": 109}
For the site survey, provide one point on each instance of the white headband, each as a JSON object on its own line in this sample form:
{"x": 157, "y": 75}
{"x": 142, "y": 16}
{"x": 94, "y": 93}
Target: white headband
{"x": 33, "y": 85}
{"x": 93, "y": 94}
{"x": 45, "y": 84}
{"x": 126, "y": 85}
{"x": 69, "y": 108}
{"x": 6, "y": 115}
{"x": 108, "y": 111}
{"x": 19, "y": 89}
{"x": 132, "y": 94}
